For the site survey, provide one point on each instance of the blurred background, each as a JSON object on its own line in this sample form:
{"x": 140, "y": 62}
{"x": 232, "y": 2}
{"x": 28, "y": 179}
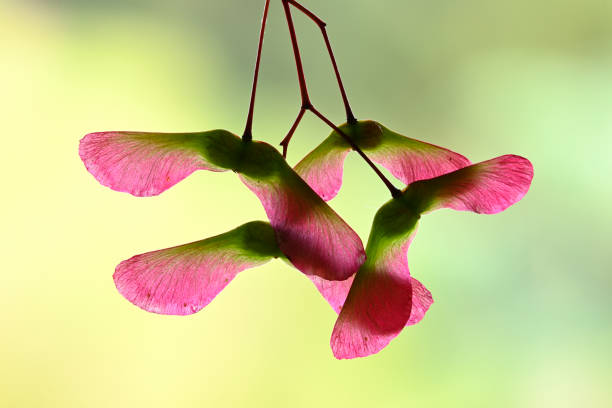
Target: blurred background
{"x": 523, "y": 308}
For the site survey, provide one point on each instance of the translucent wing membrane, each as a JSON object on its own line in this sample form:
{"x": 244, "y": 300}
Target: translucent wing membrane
{"x": 374, "y": 304}
{"x": 411, "y": 160}
{"x": 146, "y": 164}
{"x": 487, "y": 187}
{"x": 375, "y": 312}
{"x": 407, "y": 159}
{"x": 421, "y": 301}
{"x": 383, "y": 298}
{"x": 323, "y": 167}
{"x": 312, "y": 236}
{"x": 184, "y": 279}
{"x": 380, "y": 301}
{"x": 335, "y": 292}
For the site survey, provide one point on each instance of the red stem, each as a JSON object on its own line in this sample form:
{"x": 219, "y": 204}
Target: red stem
{"x": 395, "y": 193}
{"x": 350, "y": 118}
{"x": 307, "y": 105}
{"x": 247, "y": 136}
{"x": 287, "y": 139}
{"x": 298, "y": 58}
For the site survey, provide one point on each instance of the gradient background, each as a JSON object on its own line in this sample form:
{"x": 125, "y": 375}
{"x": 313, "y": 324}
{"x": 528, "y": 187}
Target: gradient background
{"x": 523, "y": 308}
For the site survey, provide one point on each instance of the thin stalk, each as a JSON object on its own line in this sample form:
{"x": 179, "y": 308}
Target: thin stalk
{"x": 307, "y": 105}
{"x": 287, "y": 139}
{"x": 247, "y": 136}
{"x": 350, "y": 118}
{"x": 395, "y": 193}
{"x": 298, "y": 58}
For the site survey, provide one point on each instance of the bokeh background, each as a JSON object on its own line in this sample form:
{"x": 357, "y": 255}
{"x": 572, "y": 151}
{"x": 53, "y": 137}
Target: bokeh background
{"x": 523, "y": 307}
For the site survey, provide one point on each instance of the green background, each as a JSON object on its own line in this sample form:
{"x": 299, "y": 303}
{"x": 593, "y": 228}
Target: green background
{"x": 523, "y": 308}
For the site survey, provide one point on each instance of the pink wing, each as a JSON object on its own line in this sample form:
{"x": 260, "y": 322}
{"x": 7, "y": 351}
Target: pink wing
{"x": 146, "y": 164}
{"x": 407, "y": 159}
{"x": 323, "y": 167}
{"x": 382, "y": 299}
{"x": 379, "y": 304}
{"x": 312, "y": 235}
{"x": 335, "y": 292}
{"x": 487, "y": 187}
{"x": 411, "y": 160}
{"x": 183, "y": 279}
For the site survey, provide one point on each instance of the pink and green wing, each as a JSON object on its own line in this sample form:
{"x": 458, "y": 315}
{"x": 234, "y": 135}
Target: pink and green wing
{"x": 146, "y": 164}
{"x": 323, "y": 167}
{"x": 383, "y": 299}
{"x": 410, "y": 160}
{"x": 407, "y": 159}
{"x": 375, "y": 312}
{"x": 183, "y": 279}
{"x": 380, "y": 301}
{"x": 488, "y": 187}
{"x": 309, "y": 232}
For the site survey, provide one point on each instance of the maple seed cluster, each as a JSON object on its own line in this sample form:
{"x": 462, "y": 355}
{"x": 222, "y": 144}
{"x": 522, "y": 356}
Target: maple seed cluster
{"x": 371, "y": 289}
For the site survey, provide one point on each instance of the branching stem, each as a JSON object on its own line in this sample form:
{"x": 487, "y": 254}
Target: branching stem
{"x": 287, "y": 139}
{"x": 395, "y": 193}
{"x": 247, "y": 136}
{"x": 350, "y": 118}
{"x": 307, "y": 105}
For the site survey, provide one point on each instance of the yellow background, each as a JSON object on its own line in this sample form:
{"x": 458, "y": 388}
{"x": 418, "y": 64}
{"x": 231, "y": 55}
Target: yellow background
{"x": 523, "y": 308}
